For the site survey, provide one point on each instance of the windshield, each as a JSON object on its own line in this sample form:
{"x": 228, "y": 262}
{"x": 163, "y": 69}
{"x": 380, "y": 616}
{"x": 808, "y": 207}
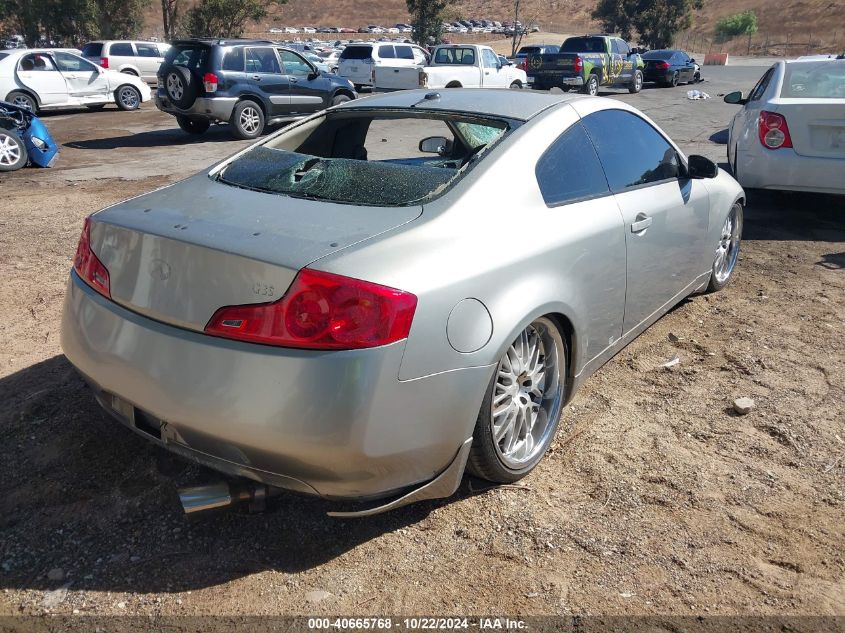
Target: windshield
{"x": 367, "y": 157}
{"x": 814, "y": 80}
{"x": 584, "y": 45}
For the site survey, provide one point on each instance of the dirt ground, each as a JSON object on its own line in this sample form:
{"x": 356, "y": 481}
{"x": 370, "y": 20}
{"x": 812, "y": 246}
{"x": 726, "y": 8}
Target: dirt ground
{"x": 662, "y": 500}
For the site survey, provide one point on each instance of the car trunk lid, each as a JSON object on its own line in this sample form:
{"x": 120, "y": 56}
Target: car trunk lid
{"x": 817, "y": 129}
{"x": 178, "y": 254}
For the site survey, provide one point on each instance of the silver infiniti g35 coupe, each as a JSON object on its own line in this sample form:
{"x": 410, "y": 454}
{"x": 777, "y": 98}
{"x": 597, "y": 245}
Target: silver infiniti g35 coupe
{"x": 370, "y": 301}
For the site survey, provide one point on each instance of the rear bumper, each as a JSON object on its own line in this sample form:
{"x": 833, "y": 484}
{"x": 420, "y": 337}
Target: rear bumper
{"x": 555, "y": 80}
{"x": 336, "y": 424}
{"x": 784, "y": 169}
{"x": 658, "y": 76}
{"x": 214, "y": 108}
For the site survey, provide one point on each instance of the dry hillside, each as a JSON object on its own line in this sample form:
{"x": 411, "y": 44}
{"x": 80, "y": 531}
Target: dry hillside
{"x": 789, "y": 27}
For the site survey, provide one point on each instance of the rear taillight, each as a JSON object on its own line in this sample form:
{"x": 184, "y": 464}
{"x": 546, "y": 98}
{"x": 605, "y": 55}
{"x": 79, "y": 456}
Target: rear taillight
{"x": 373, "y": 75}
{"x": 579, "y": 64}
{"x": 773, "y": 130}
{"x": 662, "y": 65}
{"x": 104, "y": 62}
{"x": 321, "y": 311}
{"x": 209, "y": 82}
{"x": 87, "y": 266}
{"x": 524, "y": 64}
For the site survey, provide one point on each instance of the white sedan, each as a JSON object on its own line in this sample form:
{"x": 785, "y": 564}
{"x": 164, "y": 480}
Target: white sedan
{"x": 790, "y": 133}
{"x": 47, "y": 79}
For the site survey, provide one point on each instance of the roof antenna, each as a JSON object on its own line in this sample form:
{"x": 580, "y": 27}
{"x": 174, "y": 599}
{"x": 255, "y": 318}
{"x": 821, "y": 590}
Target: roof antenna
{"x": 429, "y": 96}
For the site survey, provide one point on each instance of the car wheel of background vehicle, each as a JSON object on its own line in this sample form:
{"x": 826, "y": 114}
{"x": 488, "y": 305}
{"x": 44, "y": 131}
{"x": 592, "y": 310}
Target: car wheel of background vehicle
{"x": 696, "y": 78}
{"x": 637, "y": 83}
{"x": 522, "y": 405}
{"x": 340, "y": 99}
{"x": 127, "y": 97}
{"x": 247, "y": 120}
{"x": 592, "y": 86}
{"x": 96, "y": 107}
{"x": 193, "y": 126}
{"x": 727, "y": 251}
{"x": 515, "y": 85}
{"x": 181, "y": 87}
{"x": 675, "y": 78}
{"x": 13, "y": 154}
{"x": 22, "y": 100}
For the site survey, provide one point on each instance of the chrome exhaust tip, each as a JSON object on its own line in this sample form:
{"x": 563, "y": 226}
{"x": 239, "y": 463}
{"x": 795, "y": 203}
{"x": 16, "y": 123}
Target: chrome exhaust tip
{"x": 216, "y": 496}
{"x": 203, "y": 498}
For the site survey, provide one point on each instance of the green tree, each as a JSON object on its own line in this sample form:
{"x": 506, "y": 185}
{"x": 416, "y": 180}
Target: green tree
{"x": 170, "y": 17}
{"x": 656, "y": 22}
{"x": 119, "y": 19}
{"x": 225, "y": 18}
{"x": 427, "y": 20}
{"x": 23, "y": 17}
{"x": 730, "y": 26}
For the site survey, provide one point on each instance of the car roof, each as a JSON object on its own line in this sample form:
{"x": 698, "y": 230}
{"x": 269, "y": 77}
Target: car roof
{"x": 510, "y": 104}
{"x": 221, "y": 42}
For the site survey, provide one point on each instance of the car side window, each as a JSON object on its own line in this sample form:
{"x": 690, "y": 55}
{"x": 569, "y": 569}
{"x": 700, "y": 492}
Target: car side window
{"x": 631, "y": 151}
{"x": 404, "y": 52}
{"x": 233, "y": 60}
{"x": 36, "y": 62}
{"x": 262, "y": 60}
{"x": 386, "y": 52}
{"x": 68, "y": 63}
{"x": 294, "y": 64}
{"x": 147, "y": 50}
{"x": 570, "y": 170}
{"x": 489, "y": 58}
{"x": 121, "y": 49}
{"x": 761, "y": 86}
{"x": 620, "y": 47}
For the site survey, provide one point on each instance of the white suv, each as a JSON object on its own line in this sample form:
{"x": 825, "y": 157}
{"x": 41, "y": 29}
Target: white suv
{"x": 138, "y": 58}
{"x": 357, "y": 62}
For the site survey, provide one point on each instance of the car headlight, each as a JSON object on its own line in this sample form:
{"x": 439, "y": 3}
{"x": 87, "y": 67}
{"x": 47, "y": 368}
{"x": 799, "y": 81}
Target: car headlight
{"x": 38, "y": 143}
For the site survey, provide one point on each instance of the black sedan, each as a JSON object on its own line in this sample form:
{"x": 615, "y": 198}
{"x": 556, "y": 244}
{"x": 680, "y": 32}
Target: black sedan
{"x": 669, "y": 68}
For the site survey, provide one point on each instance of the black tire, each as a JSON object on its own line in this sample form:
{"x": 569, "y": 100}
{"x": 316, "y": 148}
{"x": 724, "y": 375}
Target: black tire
{"x": 23, "y": 100}
{"x": 96, "y": 107}
{"x": 592, "y": 86}
{"x": 515, "y": 85}
{"x": 13, "y": 154}
{"x": 247, "y": 120}
{"x": 486, "y": 455}
{"x": 193, "y": 126}
{"x": 636, "y": 83}
{"x": 717, "y": 283}
{"x": 338, "y": 99}
{"x": 127, "y": 97}
{"x": 676, "y": 77}
{"x": 181, "y": 86}
{"x": 696, "y": 78}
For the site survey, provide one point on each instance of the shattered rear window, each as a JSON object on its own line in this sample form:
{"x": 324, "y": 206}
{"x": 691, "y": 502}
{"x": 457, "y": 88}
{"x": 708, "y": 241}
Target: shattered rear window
{"x": 366, "y": 158}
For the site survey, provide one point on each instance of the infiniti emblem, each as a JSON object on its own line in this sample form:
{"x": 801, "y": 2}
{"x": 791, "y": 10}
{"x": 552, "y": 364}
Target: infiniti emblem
{"x": 159, "y": 269}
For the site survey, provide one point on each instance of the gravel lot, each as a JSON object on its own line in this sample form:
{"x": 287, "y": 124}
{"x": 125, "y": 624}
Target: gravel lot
{"x": 662, "y": 500}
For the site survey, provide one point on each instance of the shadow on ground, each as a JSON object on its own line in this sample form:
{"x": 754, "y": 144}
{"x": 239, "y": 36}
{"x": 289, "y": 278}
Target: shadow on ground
{"x": 794, "y": 216}
{"x": 156, "y": 138}
{"x": 81, "y": 493}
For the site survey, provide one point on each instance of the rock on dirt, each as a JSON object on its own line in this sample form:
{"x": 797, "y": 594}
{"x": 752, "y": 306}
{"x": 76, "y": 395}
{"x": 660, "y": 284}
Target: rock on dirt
{"x": 743, "y": 405}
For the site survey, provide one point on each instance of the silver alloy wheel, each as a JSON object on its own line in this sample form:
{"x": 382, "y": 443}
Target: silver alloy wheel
{"x": 22, "y": 102}
{"x": 727, "y": 251}
{"x": 592, "y": 86}
{"x": 638, "y": 80}
{"x": 10, "y": 150}
{"x": 175, "y": 88}
{"x": 129, "y": 97}
{"x": 249, "y": 120}
{"x": 527, "y": 396}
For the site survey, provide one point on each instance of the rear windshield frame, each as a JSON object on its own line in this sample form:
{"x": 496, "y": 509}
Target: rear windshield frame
{"x": 93, "y": 49}
{"x": 508, "y": 125}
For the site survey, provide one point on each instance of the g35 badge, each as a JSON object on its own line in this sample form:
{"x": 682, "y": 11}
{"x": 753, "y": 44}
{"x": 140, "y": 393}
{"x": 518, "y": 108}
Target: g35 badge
{"x": 263, "y": 290}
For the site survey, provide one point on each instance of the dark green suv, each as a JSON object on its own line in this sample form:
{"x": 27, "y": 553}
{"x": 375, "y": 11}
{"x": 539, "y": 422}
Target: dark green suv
{"x": 247, "y": 83}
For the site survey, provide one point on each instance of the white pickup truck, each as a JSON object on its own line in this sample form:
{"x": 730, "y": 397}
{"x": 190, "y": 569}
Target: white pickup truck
{"x": 453, "y": 66}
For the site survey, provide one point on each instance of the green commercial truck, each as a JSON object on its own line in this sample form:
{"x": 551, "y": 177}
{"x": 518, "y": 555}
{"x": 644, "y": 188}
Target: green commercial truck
{"x": 586, "y": 62}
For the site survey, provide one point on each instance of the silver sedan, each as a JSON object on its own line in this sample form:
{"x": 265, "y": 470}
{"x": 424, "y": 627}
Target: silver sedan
{"x": 372, "y": 300}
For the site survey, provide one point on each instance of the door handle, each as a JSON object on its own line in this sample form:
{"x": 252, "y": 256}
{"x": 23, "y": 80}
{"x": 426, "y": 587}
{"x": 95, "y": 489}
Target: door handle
{"x": 641, "y": 223}
{"x": 257, "y": 77}
{"x": 294, "y": 80}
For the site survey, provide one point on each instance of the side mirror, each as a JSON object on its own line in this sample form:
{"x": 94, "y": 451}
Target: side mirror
{"x": 313, "y": 74}
{"x": 701, "y": 167}
{"x": 435, "y": 145}
{"x": 735, "y": 98}
{"x": 692, "y": 60}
